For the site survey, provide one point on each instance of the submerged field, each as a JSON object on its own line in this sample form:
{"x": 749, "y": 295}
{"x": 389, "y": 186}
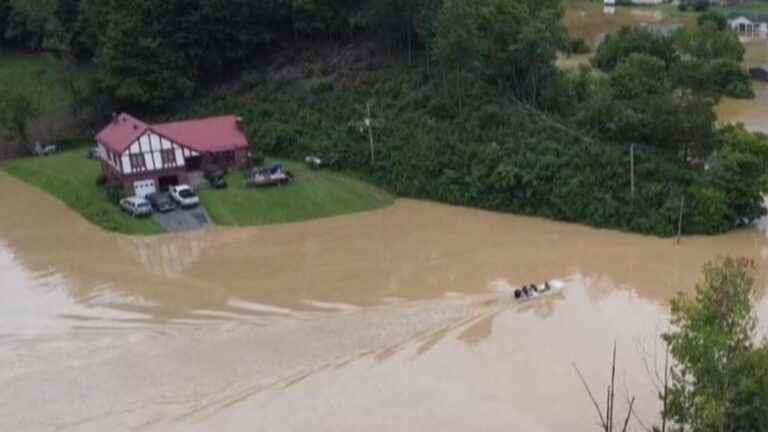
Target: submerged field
{"x": 71, "y": 177}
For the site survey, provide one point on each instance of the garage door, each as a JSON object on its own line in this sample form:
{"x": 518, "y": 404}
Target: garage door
{"x": 144, "y": 187}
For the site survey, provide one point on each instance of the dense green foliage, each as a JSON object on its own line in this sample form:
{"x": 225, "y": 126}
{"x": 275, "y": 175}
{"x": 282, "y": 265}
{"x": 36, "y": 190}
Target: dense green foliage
{"x": 706, "y": 59}
{"x": 472, "y": 111}
{"x": 312, "y": 194}
{"x": 71, "y": 177}
{"x": 720, "y": 379}
{"x": 493, "y": 154}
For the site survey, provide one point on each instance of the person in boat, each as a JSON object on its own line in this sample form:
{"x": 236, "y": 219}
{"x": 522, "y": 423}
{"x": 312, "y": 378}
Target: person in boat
{"x": 533, "y": 289}
{"x": 546, "y": 287}
{"x": 518, "y": 294}
{"x": 526, "y": 294}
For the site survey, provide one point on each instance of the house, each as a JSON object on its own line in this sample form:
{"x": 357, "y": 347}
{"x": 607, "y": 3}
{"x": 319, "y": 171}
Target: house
{"x": 145, "y": 158}
{"x": 750, "y": 26}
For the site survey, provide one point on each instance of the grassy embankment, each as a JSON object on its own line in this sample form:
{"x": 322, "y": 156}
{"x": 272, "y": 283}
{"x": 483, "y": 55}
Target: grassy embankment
{"x": 71, "y": 177}
{"x": 313, "y": 194}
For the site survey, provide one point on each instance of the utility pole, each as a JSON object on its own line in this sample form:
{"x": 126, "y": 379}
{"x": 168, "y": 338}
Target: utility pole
{"x": 632, "y": 167}
{"x": 680, "y": 220}
{"x": 368, "y": 123}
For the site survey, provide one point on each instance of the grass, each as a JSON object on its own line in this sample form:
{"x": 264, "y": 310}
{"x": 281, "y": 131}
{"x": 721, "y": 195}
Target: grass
{"x": 312, "y": 194}
{"x": 71, "y": 177}
{"x": 37, "y": 76}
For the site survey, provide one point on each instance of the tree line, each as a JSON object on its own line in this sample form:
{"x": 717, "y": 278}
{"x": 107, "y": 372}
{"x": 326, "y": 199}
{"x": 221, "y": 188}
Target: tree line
{"x": 150, "y": 52}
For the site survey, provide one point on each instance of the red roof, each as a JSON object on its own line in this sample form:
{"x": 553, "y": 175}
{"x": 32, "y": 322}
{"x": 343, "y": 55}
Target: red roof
{"x": 206, "y": 135}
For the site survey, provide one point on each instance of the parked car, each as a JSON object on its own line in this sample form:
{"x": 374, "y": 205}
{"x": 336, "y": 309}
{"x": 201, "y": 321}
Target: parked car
{"x": 216, "y": 178}
{"x": 161, "y": 202}
{"x": 136, "y": 206}
{"x": 184, "y": 196}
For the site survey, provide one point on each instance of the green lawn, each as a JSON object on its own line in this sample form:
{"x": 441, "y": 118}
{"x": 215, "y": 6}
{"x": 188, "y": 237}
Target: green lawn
{"x": 37, "y": 76}
{"x": 71, "y": 177}
{"x": 312, "y": 194}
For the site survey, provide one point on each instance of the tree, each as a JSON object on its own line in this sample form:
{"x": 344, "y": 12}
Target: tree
{"x": 739, "y": 166}
{"x": 458, "y": 39}
{"x": 720, "y": 379}
{"x": 709, "y": 42}
{"x": 618, "y": 47}
{"x": 716, "y": 18}
{"x": 15, "y": 112}
{"x": 640, "y": 75}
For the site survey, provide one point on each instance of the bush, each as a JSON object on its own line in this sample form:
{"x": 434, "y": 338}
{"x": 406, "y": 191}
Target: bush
{"x": 729, "y": 78}
{"x": 701, "y": 5}
{"x": 578, "y": 46}
{"x": 114, "y": 193}
{"x": 627, "y": 41}
{"x": 101, "y": 180}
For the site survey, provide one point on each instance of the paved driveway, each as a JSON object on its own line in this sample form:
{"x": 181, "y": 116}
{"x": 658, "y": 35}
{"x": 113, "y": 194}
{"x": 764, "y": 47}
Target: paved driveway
{"x": 183, "y": 220}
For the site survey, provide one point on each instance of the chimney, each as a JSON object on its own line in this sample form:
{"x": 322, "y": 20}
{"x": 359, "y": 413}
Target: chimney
{"x": 114, "y": 117}
{"x": 239, "y": 122}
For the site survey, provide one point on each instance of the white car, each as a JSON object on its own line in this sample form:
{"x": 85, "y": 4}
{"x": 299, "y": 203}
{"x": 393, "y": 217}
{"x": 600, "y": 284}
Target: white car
{"x": 184, "y": 196}
{"x": 136, "y": 206}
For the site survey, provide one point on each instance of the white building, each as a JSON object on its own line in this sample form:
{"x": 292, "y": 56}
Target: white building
{"x": 750, "y": 28}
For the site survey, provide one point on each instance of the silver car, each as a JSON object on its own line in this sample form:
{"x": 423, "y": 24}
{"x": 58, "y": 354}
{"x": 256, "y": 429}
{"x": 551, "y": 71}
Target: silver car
{"x": 136, "y": 206}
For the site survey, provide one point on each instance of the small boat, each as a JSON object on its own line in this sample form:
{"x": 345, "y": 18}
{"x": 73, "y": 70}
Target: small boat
{"x": 540, "y": 291}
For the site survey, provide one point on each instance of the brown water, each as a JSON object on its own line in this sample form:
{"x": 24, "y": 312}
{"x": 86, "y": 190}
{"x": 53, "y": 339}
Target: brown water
{"x": 753, "y": 113}
{"x": 397, "y": 319}
{"x": 592, "y": 21}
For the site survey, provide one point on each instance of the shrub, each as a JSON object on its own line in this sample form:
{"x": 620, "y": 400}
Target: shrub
{"x": 701, "y": 5}
{"x": 578, "y": 46}
{"x": 101, "y": 179}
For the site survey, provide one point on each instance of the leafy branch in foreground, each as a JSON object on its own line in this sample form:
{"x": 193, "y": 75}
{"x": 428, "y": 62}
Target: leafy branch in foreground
{"x": 717, "y": 379}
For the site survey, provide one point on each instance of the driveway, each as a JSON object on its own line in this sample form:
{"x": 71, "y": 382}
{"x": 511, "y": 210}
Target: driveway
{"x": 183, "y": 220}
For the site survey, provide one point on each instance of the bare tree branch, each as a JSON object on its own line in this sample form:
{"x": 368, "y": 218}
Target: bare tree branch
{"x": 592, "y": 397}
{"x": 629, "y": 414}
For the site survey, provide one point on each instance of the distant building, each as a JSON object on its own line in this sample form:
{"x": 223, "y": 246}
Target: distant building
{"x": 145, "y": 158}
{"x": 750, "y": 26}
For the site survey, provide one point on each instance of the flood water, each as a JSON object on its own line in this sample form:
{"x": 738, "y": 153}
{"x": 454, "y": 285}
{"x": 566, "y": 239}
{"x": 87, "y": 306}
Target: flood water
{"x": 397, "y": 319}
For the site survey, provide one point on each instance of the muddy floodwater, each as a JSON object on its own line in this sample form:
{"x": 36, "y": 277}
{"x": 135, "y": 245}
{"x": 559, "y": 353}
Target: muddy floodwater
{"x": 397, "y": 319}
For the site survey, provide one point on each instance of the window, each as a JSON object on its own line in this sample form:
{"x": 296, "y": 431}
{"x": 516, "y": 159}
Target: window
{"x": 137, "y": 162}
{"x": 168, "y": 157}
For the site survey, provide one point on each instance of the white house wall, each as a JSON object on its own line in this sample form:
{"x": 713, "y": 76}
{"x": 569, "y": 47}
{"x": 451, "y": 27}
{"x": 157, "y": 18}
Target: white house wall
{"x": 150, "y": 146}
